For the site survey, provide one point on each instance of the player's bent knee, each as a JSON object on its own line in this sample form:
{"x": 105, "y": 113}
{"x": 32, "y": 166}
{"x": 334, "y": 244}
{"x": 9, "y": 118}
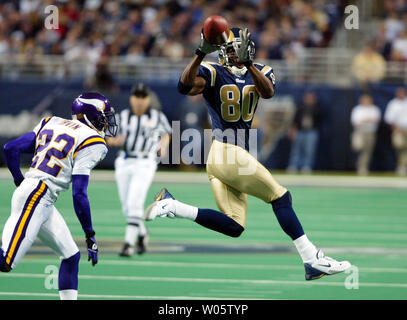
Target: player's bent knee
{"x": 74, "y": 259}
{"x": 235, "y": 230}
{"x": 284, "y": 201}
{"x": 237, "y": 233}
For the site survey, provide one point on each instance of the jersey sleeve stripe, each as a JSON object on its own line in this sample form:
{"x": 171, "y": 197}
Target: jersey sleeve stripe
{"x": 86, "y": 140}
{"x": 265, "y": 69}
{"x": 212, "y": 70}
{"x": 89, "y": 142}
{"x": 88, "y": 145}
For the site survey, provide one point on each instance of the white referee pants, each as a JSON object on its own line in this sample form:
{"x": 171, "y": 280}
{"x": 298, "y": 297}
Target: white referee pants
{"x": 134, "y": 177}
{"x": 33, "y": 214}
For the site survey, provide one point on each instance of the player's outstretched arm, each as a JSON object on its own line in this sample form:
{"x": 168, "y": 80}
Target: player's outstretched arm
{"x": 190, "y": 83}
{"x": 82, "y": 210}
{"x": 12, "y": 151}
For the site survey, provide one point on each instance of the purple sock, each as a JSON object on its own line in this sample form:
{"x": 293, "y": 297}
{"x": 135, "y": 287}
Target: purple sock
{"x": 68, "y": 273}
{"x": 2, "y": 260}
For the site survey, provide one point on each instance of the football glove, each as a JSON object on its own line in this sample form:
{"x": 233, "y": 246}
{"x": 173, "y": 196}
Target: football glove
{"x": 243, "y": 51}
{"x": 92, "y": 248}
{"x": 205, "y": 47}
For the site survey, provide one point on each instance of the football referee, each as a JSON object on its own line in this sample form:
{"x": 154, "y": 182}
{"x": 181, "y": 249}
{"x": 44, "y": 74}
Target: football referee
{"x": 144, "y": 136}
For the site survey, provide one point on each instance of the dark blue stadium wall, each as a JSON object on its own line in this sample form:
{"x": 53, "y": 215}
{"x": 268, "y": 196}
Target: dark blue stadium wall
{"x": 334, "y": 152}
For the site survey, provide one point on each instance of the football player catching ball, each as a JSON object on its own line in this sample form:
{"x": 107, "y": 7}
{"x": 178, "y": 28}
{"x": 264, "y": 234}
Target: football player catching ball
{"x": 232, "y": 89}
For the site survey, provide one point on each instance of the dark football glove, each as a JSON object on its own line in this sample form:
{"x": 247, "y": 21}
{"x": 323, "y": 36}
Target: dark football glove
{"x": 92, "y": 248}
{"x": 205, "y": 47}
{"x": 243, "y": 51}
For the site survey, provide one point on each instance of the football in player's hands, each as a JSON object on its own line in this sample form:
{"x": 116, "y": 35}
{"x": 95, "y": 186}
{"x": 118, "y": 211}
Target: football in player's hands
{"x": 216, "y": 30}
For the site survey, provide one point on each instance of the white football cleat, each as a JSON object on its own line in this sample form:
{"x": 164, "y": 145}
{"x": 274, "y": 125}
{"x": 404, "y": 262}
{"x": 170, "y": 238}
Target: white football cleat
{"x": 322, "y": 266}
{"x": 163, "y": 206}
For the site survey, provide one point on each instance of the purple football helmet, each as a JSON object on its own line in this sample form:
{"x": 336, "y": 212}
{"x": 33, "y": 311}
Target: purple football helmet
{"x": 94, "y": 109}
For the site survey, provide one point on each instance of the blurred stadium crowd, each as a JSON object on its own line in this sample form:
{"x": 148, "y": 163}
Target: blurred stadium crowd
{"x": 340, "y": 121}
{"x": 390, "y": 40}
{"x": 169, "y": 28}
{"x": 387, "y": 43}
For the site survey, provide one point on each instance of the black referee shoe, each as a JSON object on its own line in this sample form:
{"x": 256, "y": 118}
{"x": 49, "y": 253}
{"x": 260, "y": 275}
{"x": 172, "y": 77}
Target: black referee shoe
{"x": 127, "y": 251}
{"x": 142, "y": 244}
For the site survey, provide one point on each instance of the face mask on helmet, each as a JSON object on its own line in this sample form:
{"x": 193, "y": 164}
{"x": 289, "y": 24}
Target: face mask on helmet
{"x": 105, "y": 123}
{"x": 227, "y": 53}
{"x": 112, "y": 127}
{"x": 228, "y": 56}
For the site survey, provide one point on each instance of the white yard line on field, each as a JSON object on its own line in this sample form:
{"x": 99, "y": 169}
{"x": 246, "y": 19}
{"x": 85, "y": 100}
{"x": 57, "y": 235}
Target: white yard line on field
{"x": 212, "y": 280}
{"x": 160, "y": 264}
{"x": 320, "y": 180}
{"x": 111, "y": 296}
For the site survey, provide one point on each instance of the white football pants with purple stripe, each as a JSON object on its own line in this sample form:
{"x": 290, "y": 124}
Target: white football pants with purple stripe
{"x": 33, "y": 215}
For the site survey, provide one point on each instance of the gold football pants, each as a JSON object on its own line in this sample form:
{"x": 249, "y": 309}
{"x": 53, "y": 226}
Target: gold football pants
{"x": 234, "y": 173}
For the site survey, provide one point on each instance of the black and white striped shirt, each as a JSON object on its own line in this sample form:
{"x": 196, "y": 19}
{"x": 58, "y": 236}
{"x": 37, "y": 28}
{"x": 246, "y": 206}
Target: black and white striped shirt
{"x": 142, "y": 133}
